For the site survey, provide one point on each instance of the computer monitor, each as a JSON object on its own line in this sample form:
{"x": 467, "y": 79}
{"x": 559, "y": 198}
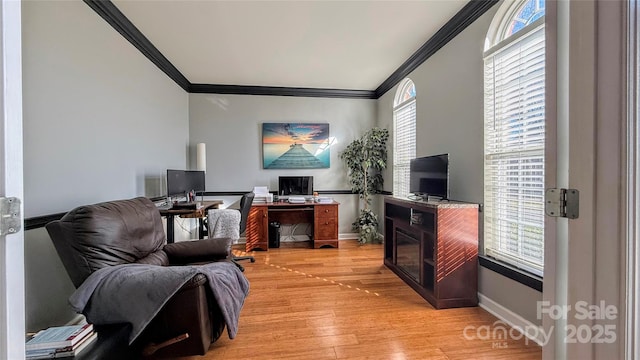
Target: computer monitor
{"x": 295, "y": 185}
{"x": 180, "y": 182}
{"x": 176, "y": 182}
{"x": 195, "y": 180}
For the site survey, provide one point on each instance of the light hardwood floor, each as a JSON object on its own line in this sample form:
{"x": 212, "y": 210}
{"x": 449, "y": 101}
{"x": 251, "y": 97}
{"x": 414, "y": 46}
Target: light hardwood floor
{"x": 345, "y": 304}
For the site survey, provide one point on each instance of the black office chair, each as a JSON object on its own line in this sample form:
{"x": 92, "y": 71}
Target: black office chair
{"x": 245, "y": 207}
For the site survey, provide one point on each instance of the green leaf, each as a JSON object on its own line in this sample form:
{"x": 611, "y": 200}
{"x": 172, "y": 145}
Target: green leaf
{"x": 364, "y": 159}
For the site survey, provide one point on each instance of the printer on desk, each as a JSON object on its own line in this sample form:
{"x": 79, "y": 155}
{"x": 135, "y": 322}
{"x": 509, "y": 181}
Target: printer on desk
{"x": 262, "y": 195}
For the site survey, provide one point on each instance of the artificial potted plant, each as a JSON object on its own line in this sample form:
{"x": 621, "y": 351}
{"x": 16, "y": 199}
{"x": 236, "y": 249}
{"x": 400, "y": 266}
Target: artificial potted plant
{"x": 365, "y": 158}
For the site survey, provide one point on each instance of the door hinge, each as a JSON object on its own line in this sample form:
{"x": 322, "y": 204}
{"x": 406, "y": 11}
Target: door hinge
{"x": 11, "y": 219}
{"x": 562, "y": 203}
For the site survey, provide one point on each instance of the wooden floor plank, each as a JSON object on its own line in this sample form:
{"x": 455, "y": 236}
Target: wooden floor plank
{"x": 344, "y": 304}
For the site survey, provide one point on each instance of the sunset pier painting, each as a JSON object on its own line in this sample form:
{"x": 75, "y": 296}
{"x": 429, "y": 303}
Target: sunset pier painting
{"x": 295, "y": 145}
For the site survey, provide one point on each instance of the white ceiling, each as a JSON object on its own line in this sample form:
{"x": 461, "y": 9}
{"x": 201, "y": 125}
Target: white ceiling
{"x": 326, "y": 44}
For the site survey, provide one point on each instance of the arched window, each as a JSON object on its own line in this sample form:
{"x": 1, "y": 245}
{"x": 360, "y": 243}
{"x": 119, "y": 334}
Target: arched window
{"x": 514, "y": 135}
{"x": 404, "y": 135}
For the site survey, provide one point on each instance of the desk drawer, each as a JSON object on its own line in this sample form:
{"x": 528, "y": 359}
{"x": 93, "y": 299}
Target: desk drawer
{"x": 327, "y": 211}
{"x": 326, "y": 229}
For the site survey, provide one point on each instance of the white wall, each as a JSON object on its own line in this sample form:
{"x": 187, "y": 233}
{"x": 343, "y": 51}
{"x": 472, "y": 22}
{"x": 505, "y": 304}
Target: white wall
{"x": 450, "y": 115}
{"x": 231, "y": 126}
{"x": 101, "y": 122}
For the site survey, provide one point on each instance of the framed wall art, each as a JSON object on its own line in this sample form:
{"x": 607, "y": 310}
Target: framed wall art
{"x": 295, "y": 145}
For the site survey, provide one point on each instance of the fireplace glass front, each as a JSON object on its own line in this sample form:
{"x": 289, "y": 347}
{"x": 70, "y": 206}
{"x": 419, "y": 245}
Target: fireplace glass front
{"x": 408, "y": 253}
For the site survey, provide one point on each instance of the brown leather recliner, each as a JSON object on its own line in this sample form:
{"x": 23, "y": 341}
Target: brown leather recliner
{"x": 91, "y": 237}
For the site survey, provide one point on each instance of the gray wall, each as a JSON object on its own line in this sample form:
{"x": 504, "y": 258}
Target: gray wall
{"x": 231, "y": 126}
{"x": 101, "y": 122}
{"x": 450, "y": 115}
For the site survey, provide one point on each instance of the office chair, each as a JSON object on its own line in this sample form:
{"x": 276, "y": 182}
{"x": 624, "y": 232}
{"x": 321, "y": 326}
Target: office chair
{"x": 245, "y": 207}
{"x": 220, "y": 226}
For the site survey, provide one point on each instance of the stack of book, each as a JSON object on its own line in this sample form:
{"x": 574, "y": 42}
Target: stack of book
{"x": 60, "y": 341}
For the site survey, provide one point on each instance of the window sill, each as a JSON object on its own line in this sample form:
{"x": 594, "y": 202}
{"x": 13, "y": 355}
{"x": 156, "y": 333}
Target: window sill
{"x": 511, "y": 272}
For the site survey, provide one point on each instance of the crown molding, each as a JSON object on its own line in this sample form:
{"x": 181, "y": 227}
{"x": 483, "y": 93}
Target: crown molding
{"x": 281, "y": 91}
{"x": 112, "y": 15}
{"x": 463, "y": 18}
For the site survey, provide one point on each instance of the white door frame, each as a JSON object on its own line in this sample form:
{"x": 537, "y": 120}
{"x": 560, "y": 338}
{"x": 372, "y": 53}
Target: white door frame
{"x": 556, "y": 163}
{"x": 12, "y": 298}
{"x": 632, "y": 261}
{"x": 585, "y": 266}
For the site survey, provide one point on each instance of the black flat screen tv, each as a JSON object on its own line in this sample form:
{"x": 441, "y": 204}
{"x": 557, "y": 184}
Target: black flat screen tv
{"x": 429, "y": 176}
{"x": 295, "y": 185}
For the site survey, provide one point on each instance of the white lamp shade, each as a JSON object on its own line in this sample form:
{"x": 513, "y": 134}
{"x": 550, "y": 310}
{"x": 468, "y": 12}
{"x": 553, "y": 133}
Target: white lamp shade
{"x": 201, "y": 157}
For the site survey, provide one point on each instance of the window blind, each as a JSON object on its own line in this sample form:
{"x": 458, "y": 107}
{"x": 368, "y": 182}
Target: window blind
{"x": 514, "y": 152}
{"x": 404, "y": 145}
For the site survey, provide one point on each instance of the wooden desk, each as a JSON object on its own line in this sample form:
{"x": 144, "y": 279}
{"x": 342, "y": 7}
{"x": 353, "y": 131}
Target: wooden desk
{"x": 324, "y": 218}
{"x": 189, "y": 213}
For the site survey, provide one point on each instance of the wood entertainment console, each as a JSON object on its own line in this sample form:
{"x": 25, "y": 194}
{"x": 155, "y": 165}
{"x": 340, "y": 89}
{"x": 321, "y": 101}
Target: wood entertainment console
{"x": 324, "y": 218}
{"x": 433, "y": 247}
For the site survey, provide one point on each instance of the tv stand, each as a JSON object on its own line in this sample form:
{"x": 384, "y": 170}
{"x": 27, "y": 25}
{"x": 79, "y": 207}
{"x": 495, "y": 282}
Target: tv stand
{"x": 433, "y": 247}
{"x": 426, "y": 198}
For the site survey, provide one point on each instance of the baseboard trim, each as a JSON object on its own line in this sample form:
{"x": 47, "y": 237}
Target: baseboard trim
{"x": 347, "y": 236}
{"x": 512, "y": 319}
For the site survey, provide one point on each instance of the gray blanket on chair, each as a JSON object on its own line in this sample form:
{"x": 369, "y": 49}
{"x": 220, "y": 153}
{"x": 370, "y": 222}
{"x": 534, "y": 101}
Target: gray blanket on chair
{"x": 135, "y": 293}
{"x": 224, "y": 223}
